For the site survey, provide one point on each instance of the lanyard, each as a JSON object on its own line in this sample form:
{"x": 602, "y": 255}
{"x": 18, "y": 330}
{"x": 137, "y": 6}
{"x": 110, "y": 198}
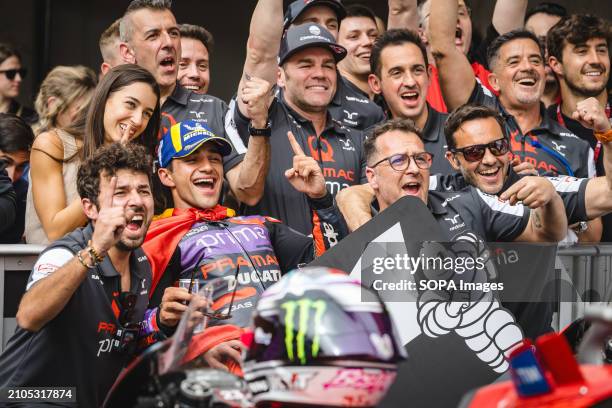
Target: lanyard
{"x": 598, "y": 145}
{"x": 536, "y": 143}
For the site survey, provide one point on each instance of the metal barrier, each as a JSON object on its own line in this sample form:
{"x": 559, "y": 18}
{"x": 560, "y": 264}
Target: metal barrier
{"x": 16, "y": 261}
{"x": 589, "y": 267}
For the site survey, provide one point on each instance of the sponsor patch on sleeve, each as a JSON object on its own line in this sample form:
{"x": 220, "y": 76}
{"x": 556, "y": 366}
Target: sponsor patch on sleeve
{"x": 48, "y": 263}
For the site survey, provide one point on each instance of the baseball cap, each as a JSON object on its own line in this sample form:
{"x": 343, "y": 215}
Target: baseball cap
{"x": 308, "y": 35}
{"x": 297, "y": 7}
{"x": 186, "y": 137}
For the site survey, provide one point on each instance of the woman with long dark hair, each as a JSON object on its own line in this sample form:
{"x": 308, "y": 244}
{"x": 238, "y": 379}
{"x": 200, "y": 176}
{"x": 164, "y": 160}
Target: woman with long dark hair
{"x": 124, "y": 108}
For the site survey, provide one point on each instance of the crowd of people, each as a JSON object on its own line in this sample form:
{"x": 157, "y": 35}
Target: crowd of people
{"x": 135, "y": 177}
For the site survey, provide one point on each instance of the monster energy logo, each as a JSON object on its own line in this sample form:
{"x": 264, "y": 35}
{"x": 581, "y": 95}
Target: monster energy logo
{"x": 304, "y": 308}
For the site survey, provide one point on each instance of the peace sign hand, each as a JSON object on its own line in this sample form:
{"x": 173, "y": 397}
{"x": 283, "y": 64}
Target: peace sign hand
{"x": 112, "y": 218}
{"x": 306, "y": 175}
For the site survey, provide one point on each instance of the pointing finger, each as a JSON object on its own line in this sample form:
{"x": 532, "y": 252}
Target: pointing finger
{"x": 290, "y": 173}
{"x": 106, "y": 200}
{"x": 297, "y": 149}
{"x": 125, "y": 136}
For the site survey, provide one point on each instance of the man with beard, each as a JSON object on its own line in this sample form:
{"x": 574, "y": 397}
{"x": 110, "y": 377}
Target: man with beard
{"x": 355, "y": 29}
{"x": 507, "y": 15}
{"x": 469, "y": 214}
{"x": 398, "y": 165}
{"x": 474, "y": 156}
{"x": 150, "y": 37}
{"x": 578, "y": 48}
{"x": 539, "y": 20}
{"x": 78, "y": 320}
{"x": 579, "y": 55}
{"x": 517, "y": 63}
{"x": 477, "y": 142}
{"x": 202, "y": 240}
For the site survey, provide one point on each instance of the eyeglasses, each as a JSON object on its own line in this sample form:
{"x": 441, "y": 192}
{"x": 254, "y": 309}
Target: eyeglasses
{"x": 12, "y": 73}
{"x": 401, "y": 161}
{"x": 476, "y": 152}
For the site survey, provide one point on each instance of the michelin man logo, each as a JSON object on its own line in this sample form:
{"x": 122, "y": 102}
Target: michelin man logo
{"x": 487, "y": 328}
{"x": 314, "y": 30}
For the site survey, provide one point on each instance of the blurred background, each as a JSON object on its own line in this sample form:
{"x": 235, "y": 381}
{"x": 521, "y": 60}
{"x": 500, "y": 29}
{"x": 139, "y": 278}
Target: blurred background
{"x": 66, "y": 32}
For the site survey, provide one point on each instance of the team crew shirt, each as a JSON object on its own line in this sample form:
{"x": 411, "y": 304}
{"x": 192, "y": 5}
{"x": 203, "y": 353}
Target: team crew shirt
{"x": 534, "y": 317}
{"x": 435, "y": 141}
{"x": 572, "y": 190}
{"x": 470, "y": 211}
{"x": 551, "y": 148}
{"x": 353, "y": 107}
{"x": 339, "y": 151}
{"x": 76, "y": 348}
{"x": 586, "y": 134}
{"x": 213, "y": 112}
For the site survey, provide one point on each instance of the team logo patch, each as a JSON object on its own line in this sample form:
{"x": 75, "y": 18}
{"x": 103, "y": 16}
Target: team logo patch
{"x": 314, "y": 30}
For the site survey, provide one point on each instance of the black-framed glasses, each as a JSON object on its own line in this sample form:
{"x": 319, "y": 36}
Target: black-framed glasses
{"x": 476, "y": 152}
{"x": 401, "y": 161}
{"x": 10, "y": 74}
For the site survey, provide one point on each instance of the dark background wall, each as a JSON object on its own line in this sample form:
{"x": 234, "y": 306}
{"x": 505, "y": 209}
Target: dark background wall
{"x": 66, "y": 32}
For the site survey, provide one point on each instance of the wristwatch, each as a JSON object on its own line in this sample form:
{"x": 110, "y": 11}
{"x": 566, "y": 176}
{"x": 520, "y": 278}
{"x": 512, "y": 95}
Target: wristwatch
{"x": 266, "y": 132}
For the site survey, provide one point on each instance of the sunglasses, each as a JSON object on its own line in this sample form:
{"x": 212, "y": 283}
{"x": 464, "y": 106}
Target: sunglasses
{"x": 475, "y": 153}
{"x": 12, "y": 73}
{"x": 401, "y": 161}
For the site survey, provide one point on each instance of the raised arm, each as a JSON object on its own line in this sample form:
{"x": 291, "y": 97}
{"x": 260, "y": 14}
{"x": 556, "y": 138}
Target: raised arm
{"x": 403, "y": 14}
{"x": 598, "y": 195}
{"x": 56, "y": 215}
{"x": 247, "y": 179}
{"x": 547, "y": 220}
{"x": 263, "y": 45}
{"x": 53, "y": 288}
{"x": 509, "y": 15}
{"x": 457, "y": 78}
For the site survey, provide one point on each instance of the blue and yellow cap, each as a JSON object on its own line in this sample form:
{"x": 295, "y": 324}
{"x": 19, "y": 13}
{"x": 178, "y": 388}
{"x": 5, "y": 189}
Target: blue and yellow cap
{"x": 186, "y": 137}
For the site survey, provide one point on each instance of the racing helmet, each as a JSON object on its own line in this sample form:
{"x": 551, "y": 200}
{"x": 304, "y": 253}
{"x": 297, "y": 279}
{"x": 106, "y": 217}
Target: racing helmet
{"x": 320, "y": 338}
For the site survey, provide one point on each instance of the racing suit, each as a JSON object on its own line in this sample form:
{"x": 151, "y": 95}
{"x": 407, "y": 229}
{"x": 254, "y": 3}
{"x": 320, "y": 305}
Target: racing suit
{"x": 250, "y": 253}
